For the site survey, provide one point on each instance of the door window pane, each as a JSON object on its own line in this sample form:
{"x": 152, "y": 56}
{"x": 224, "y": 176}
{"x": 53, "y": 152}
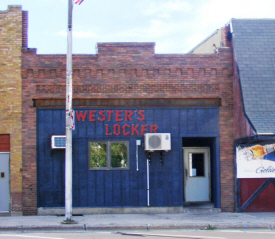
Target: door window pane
{"x": 196, "y": 165}
{"x": 119, "y": 155}
{"x": 98, "y": 155}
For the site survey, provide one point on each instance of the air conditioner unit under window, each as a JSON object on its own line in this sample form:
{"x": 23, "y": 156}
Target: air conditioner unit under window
{"x": 58, "y": 141}
{"x": 157, "y": 141}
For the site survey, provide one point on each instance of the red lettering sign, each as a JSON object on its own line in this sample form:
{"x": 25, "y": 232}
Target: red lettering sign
{"x": 107, "y": 130}
{"x": 80, "y": 115}
{"x": 153, "y": 128}
{"x": 118, "y": 115}
{"x": 102, "y": 114}
{"x": 109, "y": 112}
{"x": 92, "y": 115}
{"x": 128, "y": 115}
{"x": 140, "y": 113}
{"x": 143, "y": 128}
{"x": 124, "y": 129}
{"x": 116, "y": 129}
{"x": 135, "y": 129}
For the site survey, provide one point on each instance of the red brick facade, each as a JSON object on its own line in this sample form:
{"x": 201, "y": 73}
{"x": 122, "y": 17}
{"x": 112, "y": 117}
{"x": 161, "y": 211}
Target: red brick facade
{"x": 129, "y": 71}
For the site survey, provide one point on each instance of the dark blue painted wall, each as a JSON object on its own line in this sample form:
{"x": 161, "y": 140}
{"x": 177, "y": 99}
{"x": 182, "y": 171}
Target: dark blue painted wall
{"x": 116, "y": 188}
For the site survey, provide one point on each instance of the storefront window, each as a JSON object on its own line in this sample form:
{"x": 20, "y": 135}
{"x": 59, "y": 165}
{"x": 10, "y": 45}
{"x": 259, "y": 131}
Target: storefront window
{"x": 119, "y": 155}
{"x": 98, "y": 155}
{"x": 108, "y": 155}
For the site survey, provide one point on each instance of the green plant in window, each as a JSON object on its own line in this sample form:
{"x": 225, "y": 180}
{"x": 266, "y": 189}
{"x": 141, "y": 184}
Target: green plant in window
{"x": 98, "y": 155}
{"x": 119, "y": 155}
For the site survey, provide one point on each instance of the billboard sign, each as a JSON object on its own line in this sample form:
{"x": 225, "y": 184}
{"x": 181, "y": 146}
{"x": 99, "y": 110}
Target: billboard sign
{"x": 256, "y": 161}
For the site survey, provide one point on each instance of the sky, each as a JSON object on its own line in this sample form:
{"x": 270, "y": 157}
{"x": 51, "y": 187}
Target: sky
{"x": 176, "y": 26}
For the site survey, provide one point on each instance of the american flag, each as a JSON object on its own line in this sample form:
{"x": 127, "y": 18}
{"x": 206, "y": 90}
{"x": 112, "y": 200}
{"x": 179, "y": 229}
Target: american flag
{"x": 78, "y": 1}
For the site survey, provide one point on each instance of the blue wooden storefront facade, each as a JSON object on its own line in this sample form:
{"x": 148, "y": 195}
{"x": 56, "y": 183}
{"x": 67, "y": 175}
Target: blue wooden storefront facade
{"x": 127, "y": 187}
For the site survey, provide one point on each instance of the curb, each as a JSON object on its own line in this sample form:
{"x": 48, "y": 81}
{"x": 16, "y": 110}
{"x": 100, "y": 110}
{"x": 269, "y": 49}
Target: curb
{"x": 84, "y": 227}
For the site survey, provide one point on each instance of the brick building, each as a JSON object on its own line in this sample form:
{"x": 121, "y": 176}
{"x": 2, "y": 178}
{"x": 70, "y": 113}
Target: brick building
{"x": 121, "y": 93}
{"x": 11, "y": 44}
{"x": 253, "y": 46}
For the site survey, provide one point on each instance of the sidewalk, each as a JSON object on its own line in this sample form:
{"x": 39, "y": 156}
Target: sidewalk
{"x": 117, "y": 222}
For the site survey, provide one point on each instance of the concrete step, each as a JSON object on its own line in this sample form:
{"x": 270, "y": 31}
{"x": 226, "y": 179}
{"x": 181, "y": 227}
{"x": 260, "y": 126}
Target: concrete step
{"x": 201, "y": 210}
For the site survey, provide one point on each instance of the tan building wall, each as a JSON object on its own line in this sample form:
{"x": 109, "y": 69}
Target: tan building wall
{"x": 210, "y": 45}
{"x": 11, "y": 96}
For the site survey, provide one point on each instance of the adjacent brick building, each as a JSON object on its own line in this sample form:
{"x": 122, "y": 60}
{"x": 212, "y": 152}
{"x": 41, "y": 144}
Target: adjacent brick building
{"x": 11, "y": 44}
{"x": 253, "y": 46}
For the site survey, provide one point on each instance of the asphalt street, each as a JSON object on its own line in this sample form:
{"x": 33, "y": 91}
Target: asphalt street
{"x": 187, "y": 234}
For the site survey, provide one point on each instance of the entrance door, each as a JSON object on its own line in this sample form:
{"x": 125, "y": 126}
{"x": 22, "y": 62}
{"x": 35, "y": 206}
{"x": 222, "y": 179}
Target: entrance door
{"x": 4, "y": 182}
{"x": 197, "y": 174}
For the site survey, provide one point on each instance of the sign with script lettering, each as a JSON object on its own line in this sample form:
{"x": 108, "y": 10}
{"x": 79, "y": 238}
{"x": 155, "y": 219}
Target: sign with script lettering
{"x": 256, "y": 161}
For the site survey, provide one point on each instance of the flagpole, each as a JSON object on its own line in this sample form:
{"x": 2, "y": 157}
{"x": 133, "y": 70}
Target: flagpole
{"x": 68, "y": 156}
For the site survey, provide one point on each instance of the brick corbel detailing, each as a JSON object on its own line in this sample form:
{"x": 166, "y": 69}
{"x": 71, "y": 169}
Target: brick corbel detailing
{"x": 130, "y": 71}
{"x": 183, "y": 73}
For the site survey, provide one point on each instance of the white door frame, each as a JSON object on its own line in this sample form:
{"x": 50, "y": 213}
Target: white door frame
{"x": 196, "y": 188}
{"x": 6, "y": 195}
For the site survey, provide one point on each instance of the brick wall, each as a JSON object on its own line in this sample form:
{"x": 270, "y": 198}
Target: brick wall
{"x": 10, "y": 100}
{"x": 242, "y": 126}
{"x": 226, "y": 36}
{"x": 129, "y": 71}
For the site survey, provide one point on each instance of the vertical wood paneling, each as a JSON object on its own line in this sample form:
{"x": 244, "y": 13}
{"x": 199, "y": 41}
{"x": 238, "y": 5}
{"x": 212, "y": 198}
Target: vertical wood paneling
{"x": 100, "y": 129}
{"x": 159, "y": 188}
{"x": 49, "y": 123}
{"x": 202, "y": 120}
{"x": 116, "y": 188}
{"x": 166, "y": 121}
{"x": 108, "y": 188}
{"x": 57, "y": 116}
{"x": 158, "y": 120}
{"x": 168, "y": 162}
{"x": 90, "y": 128}
{"x": 152, "y": 184}
{"x": 81, "y": 158}
{"x": 175, "y": 122}
{"x": 142, "y": 187}
{"x": 134, "y": 194}
{"x": 76, "y": 173}
{"x": 183, "y": 121}
{"x": 81, "y": 128}
{"x": 125, "y": 189}
{"x": 192, "y": 120}
{"x": 59, "y": 177}
{"x": 100, "y": 188}
{"x": 91, "y": 194}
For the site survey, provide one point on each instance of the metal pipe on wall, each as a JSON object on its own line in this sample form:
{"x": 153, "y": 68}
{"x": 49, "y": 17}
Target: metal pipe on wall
{"x": 148, "y": 183}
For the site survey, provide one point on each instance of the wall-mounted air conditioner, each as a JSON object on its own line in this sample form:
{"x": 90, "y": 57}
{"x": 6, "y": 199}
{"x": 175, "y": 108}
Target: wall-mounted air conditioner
{"x": 157, "y": 141}
{"x": 58, "y": 141}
